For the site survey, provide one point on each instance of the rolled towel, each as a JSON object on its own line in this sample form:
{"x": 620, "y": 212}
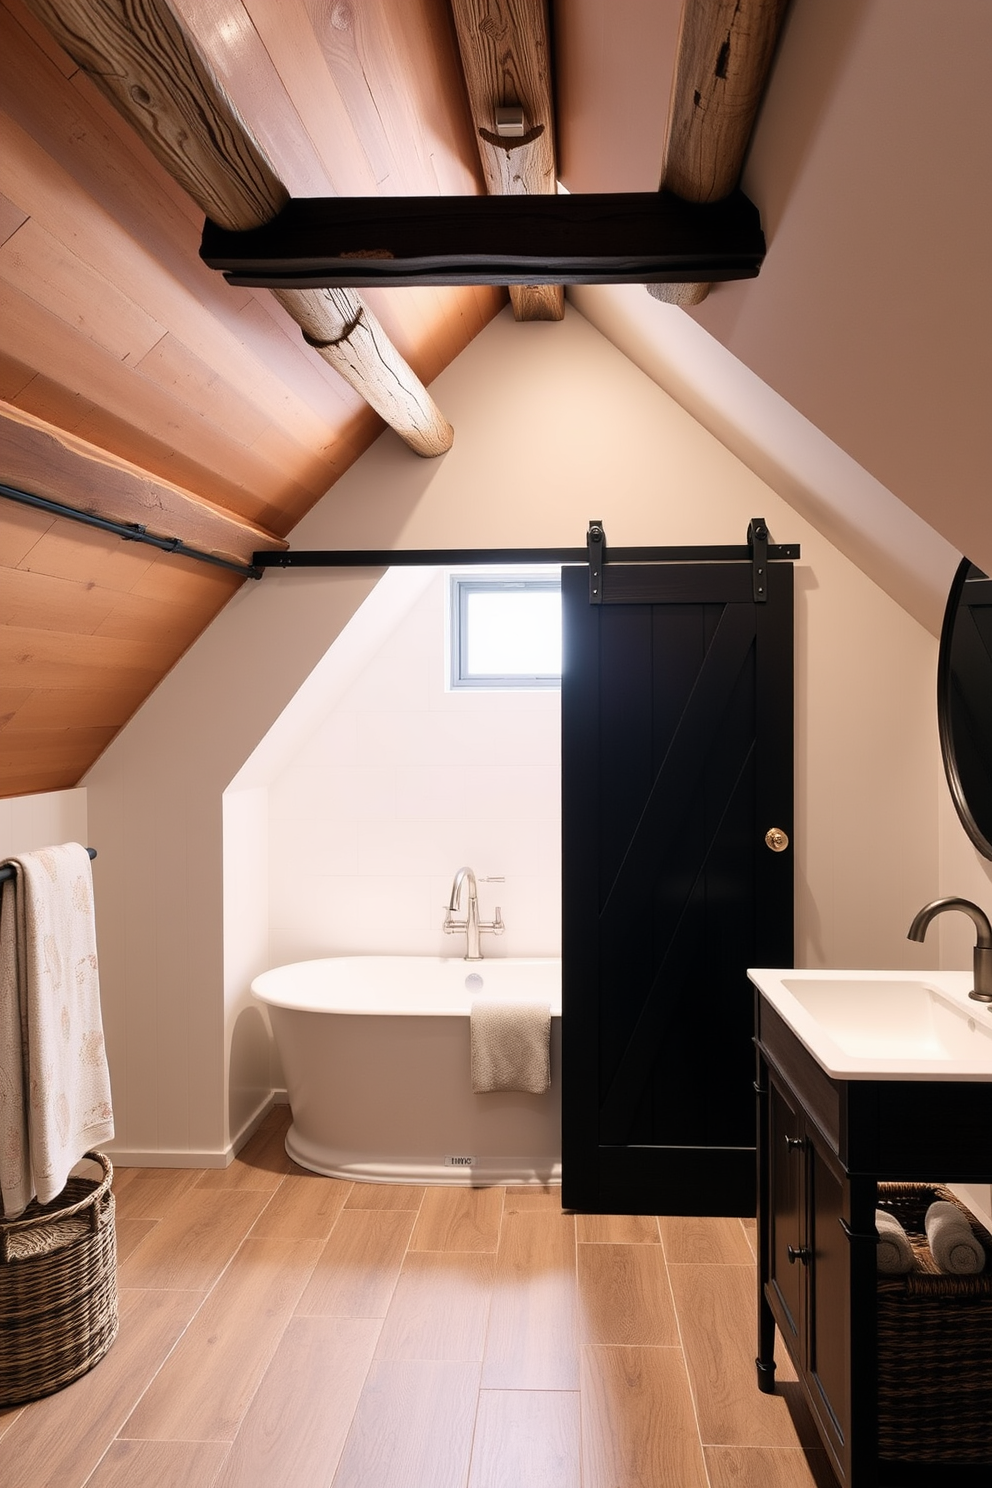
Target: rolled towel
{"x": 510, "y": 1046}
{"x": 953, "y": 1244}
{"x": 895, "y": 1254}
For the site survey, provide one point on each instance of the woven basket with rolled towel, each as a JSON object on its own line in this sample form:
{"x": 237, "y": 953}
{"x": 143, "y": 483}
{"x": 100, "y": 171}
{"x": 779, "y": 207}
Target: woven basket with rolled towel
{"x": 934, "y": 1349}
{"x": 954, "y": 1246}
{"x": 894, "y": 1255}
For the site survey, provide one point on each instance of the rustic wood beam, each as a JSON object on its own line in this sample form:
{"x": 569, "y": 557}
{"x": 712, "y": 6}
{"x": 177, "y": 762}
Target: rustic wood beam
{"x": 506, "y": 61}
{"x": 48, "y": 462}
{"x": 141, "y": 57}
{"x": 615, "y": 238}
{"x": 724, "y": 55}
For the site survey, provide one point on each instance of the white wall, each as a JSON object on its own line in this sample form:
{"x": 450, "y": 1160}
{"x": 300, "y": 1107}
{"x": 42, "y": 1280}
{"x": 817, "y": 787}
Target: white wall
{"x": 30, "y": 822}
{"x": 156, "y": 813}
{"x": 906, "y": 556}
{"x": 401, "y": 784}
{"x": 254, "y": 1066}
{"x": 553, "y": 426}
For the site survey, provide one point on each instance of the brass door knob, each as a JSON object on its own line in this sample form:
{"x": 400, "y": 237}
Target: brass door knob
{"x": 776, "y": 839}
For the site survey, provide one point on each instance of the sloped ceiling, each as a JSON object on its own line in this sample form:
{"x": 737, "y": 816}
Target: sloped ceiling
{"x": 114, "y": 331}
{"x": 870, "y": 316}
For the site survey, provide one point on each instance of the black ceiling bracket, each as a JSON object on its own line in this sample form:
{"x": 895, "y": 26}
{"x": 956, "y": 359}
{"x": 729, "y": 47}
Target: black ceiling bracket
{"x": 757, "y": 541}
{"x": 596, "y": 544}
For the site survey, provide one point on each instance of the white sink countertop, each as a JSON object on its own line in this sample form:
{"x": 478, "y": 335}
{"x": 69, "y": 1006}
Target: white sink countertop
{"x": 885, "y": 1025}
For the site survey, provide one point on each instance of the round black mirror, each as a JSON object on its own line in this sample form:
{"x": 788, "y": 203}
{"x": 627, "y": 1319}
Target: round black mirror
{"x": 964, "y": 701}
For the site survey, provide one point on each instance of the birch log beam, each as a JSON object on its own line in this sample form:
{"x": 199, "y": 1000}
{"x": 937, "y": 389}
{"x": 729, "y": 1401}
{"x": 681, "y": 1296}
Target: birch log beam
{"x": 506, "y": 62}
{"x": 140, "y": 56}
{"x": 723, "y": 58}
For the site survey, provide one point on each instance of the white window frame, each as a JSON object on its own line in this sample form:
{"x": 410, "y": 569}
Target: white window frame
{"x": 460, "y": 585}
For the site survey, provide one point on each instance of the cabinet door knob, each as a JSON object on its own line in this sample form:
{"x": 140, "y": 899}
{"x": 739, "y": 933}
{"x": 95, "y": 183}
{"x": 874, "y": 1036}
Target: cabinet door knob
{"x": 776, "y": 839}
{"x": 800, "y": 1253}
{"x": 795, "y": 1144}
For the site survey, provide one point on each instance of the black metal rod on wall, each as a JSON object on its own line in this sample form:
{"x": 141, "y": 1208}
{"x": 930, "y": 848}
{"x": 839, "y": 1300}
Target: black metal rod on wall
{"x": 8, "y": 872}
{"x": 128, "y": 531}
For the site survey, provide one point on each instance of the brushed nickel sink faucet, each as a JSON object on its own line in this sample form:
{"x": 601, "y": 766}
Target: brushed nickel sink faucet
{"x": 471, "y": 924}
{"x": 982, "y": 991}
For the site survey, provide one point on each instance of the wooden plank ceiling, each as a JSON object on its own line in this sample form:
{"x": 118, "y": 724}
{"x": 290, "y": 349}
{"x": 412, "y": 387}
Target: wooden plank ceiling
{"x": 114, "y": 332}
{"x": 136, "y": 383}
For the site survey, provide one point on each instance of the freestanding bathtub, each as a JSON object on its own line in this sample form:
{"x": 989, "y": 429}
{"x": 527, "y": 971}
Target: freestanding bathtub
{"x": 375, "y": 1052}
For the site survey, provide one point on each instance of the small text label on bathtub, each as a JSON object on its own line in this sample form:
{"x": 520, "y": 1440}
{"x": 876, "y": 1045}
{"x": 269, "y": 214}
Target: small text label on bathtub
{"x": 455, "y": 1160}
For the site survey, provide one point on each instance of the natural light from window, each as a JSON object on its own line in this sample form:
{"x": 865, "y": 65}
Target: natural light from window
{"x": 505, "y": 632}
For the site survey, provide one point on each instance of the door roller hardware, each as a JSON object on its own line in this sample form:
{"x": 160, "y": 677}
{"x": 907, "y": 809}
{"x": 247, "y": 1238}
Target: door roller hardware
{"x": 776, "y": 839}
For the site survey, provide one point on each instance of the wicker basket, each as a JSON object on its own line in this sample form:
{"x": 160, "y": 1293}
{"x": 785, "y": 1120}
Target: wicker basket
{"x": 934, "y": 1346}
{"x": 58, "y": 1288}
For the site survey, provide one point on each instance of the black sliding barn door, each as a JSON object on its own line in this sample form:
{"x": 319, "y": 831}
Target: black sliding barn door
{"x": 676, "y": 761}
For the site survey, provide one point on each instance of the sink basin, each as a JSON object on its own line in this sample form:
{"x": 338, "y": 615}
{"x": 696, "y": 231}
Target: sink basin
{"x": 885, "y": 1025}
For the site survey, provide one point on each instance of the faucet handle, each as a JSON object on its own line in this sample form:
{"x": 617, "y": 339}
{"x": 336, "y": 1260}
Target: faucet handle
{"x": 498, "y": 926}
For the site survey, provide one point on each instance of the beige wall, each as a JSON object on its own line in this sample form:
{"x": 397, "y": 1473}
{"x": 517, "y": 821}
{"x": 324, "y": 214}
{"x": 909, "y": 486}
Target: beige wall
{"x": 553, "y": 426}
{"x": 876, "y": 121}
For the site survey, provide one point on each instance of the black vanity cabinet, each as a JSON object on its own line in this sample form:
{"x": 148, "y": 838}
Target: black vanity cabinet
{"x": 809, "y": 1261}
{"x": 823, "y": 1145}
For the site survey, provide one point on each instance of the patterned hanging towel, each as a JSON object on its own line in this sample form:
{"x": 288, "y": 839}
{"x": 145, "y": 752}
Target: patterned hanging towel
{"x": 55, "y": 1102}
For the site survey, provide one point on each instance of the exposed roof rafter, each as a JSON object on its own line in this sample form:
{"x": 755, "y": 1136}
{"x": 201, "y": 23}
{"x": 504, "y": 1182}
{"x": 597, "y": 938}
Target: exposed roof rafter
{"x": 144, "y": 60}
{"x": 724, "y": 55}
{"x": 50, "y": 463}
{"x": 506, "y": 61}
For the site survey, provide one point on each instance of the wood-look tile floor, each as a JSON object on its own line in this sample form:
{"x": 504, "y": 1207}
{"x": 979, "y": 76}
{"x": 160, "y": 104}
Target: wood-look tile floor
{"x": 282, "y": 1330}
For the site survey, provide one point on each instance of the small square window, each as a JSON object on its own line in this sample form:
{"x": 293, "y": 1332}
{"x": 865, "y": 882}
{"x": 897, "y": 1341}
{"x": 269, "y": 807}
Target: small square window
{"x": 505, "y": 632}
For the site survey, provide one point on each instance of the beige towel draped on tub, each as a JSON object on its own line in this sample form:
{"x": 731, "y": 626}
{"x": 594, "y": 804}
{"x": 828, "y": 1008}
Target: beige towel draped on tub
{"x": 54, "y": 1082}
{"x": 510, "y": 1046}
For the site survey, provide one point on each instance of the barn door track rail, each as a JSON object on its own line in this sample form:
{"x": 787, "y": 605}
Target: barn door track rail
{"x": 757, "y": 551}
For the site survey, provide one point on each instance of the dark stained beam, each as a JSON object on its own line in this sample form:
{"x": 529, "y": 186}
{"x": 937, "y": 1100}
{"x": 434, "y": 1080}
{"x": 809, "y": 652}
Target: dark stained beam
{"x": 615, "y": 238}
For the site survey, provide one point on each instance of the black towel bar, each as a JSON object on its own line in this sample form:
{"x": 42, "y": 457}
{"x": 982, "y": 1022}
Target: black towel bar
{"x": 8, "y": 872}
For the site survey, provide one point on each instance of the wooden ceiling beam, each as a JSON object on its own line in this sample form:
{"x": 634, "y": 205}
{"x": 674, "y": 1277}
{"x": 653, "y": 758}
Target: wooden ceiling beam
{"x": 141, "y": 57}
{"x": 723, "y": 58}
{"x": 47, "y": 462}
{"x": 506, "y": 62}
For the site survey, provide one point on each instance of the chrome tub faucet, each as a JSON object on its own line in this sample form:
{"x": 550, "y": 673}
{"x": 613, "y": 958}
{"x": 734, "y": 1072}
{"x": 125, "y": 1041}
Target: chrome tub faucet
{"x": 471, "y": 924}
{"x": 982, "y": 991}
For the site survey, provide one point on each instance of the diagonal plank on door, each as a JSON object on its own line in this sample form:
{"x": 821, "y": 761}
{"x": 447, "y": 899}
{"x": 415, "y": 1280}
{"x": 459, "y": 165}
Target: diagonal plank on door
{"x": 685, "y": 759}
{"x": 659, "y": 1005}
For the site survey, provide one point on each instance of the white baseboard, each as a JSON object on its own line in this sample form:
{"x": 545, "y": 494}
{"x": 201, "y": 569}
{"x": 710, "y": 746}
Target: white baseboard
{"x": 123, "y": 1157}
